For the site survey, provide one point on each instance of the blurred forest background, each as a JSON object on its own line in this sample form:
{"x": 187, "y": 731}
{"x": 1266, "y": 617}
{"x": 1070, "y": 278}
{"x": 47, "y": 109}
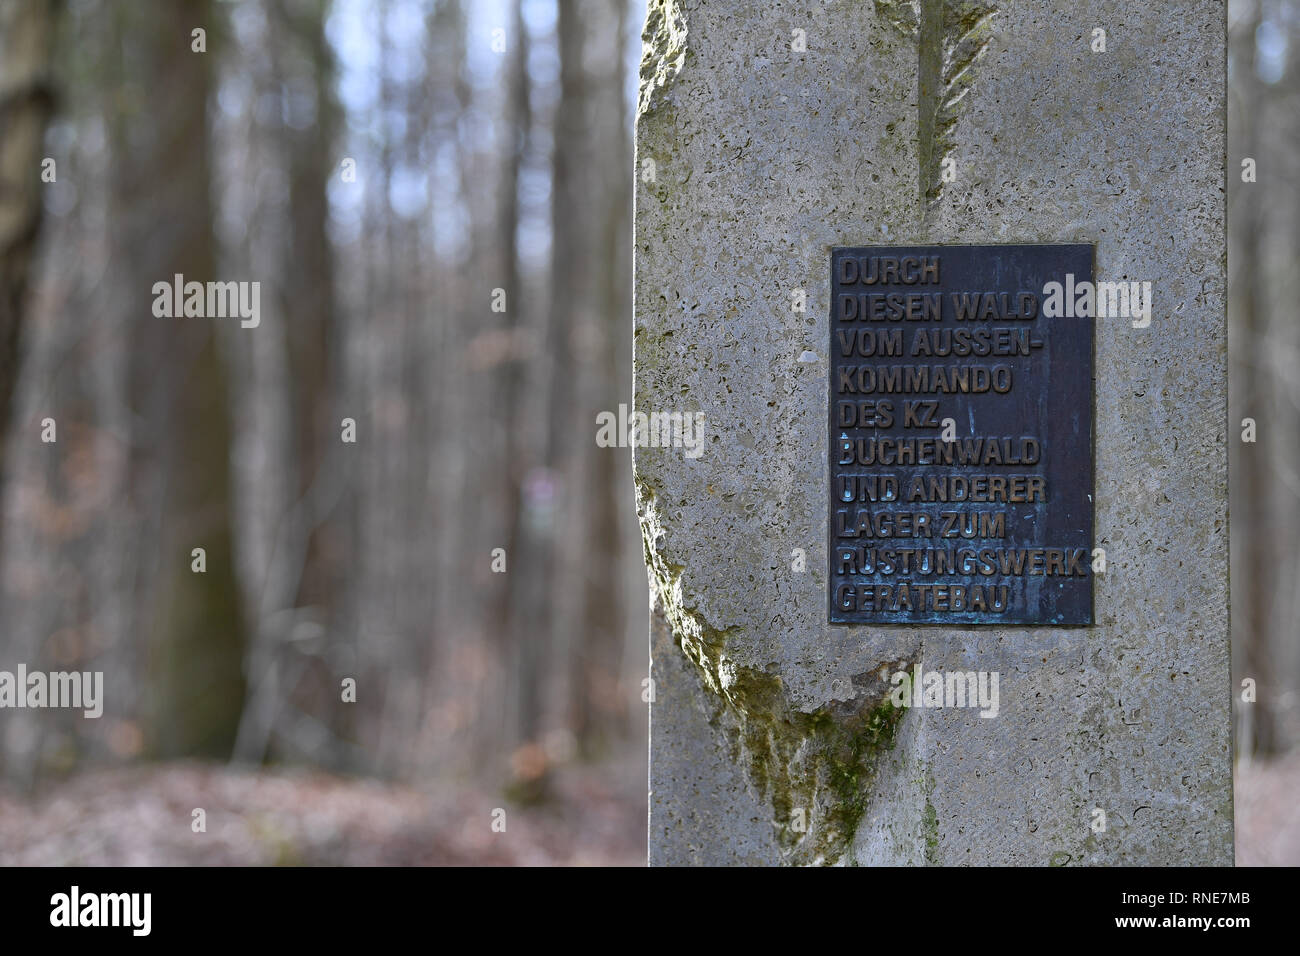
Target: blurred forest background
{"x": 1264, "y": 385}
{"x": 392, "y": 172}
{"x": 490, "y": 142}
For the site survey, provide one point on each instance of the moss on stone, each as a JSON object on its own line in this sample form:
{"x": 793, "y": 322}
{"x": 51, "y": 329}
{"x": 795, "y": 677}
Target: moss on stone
{"x": 822, "y": 762}
{"x": 930, "y": 833}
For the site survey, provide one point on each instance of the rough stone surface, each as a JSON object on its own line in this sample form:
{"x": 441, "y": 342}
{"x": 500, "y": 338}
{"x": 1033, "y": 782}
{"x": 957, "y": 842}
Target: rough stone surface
{"x": 763, "y": 159}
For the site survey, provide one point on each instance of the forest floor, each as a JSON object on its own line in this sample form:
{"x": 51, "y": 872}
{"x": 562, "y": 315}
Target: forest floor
{"x": 1268, "y": 814}
{"x": 143, "y": 816}
{"x": 594, "y": 815}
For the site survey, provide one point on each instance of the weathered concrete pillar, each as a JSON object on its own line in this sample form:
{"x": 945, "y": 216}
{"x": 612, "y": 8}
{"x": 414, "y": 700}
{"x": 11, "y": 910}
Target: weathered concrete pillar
{"x": 771, "y": 134}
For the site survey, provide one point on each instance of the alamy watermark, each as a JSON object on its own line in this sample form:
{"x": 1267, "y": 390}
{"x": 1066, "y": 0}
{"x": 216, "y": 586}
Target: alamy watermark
{"x": 210, "y": 300}
{"x": 655, "y": 430}
{"x": 75, "y": 908}
{"x": 56, "y": 689}
{"x": 922, "y": 688}
{"x": 1103, "y": 300}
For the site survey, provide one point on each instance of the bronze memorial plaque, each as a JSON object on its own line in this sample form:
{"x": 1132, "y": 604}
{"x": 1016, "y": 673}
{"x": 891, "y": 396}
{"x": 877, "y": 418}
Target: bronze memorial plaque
{"x": 961, "y": 465}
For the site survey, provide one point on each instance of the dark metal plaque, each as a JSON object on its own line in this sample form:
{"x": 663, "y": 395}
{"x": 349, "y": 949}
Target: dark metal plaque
{"x": 961, "y": 465}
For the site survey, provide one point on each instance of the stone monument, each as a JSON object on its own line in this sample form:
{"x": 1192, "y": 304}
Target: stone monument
{"x": 946, "y": 581}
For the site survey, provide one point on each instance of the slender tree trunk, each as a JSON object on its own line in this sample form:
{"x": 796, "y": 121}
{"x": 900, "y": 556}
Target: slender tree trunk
{"x": 511, "y": 610}
{"x": 597, "y": 658}
{"x": 26, "y": 104}
{"x": 1253, "y": 582}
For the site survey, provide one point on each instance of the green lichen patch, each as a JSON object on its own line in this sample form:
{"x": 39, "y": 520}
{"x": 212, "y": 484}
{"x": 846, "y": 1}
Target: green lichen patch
{"x": 816, "y": 768}
{"x": 930, "y": 831}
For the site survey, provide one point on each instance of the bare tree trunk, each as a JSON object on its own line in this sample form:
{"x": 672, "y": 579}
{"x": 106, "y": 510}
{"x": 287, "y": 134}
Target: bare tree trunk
{"x": 26, "y": 103}
{"x": 462, "y": 575}
{"x": 597, "y": 656}
{"x": 193, "y": 621}
{"x": 292, "y": 553}
{"x": 511, "y": 611}
{"x": 309, "y": 294}
{"x": 1253, "y": 580}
